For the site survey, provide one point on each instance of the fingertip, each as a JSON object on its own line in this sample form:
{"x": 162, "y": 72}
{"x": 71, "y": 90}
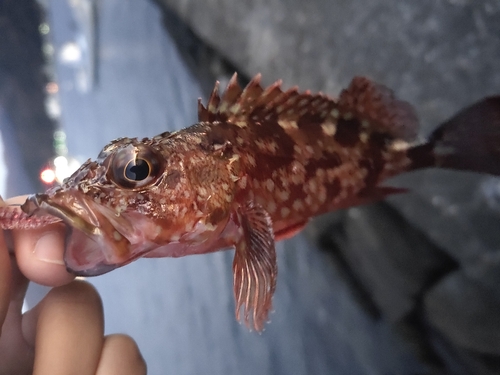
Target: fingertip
{"x": 69, "y": 330}
{"x": 20, "y": 199}
{"x": 121, "y": 355}
{"x": 39, "y": 254}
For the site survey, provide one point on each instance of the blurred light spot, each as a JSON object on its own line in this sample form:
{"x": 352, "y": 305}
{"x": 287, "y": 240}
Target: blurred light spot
{"x": 52, "y": 88}
{"x": 48, "y": 49}
{"x": 48, "y": 176}
{"x": 64, "y": 167}
{"x": 44, "y": 28}
{"x": 52, "y": 107}
{"x": 70, "y": 53}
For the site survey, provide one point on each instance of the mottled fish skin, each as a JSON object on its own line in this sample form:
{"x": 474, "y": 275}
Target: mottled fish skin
{"x": 255, "y": 168}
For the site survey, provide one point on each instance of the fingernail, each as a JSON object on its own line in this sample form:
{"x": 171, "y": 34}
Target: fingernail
{"x": 47, "y": 249}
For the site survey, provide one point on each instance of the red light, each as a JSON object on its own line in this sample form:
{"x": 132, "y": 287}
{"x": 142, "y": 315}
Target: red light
{"x": 48, "y": 176}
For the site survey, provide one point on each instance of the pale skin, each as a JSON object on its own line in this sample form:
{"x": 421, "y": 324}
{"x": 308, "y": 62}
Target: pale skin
{"x": 64, "y": 333}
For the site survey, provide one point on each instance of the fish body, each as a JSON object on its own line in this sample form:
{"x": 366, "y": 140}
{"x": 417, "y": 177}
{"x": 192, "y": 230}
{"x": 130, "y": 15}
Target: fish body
{"x": 255, "y": 168}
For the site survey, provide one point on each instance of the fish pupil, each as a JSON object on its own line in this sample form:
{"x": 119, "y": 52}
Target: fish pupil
{"x": 137, "y": 170}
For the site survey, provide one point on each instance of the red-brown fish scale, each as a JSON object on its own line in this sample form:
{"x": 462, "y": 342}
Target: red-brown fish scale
{"x": 282, "y": 141}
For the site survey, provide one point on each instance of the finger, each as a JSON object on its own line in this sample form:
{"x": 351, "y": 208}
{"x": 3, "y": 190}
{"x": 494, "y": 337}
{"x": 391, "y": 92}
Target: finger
{"x": 39, "y": 253}
{"x": 5, "y": 275}
{"x": 20, "y": 199}
{"x": 121, "y": 356}
{"x": 16, "y": 355}
{"x": 69, "y": 330}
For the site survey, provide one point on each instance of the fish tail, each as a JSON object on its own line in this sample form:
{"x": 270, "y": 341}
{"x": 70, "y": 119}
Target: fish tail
{"x": 469, "y": 141}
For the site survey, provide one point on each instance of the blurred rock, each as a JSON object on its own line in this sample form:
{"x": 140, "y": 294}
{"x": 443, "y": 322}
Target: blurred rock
{"x": 392, "y": 260}
{"x": 474, "y": 325}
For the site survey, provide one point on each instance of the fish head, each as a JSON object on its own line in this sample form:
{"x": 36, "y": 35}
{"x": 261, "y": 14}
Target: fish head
{"x": 137, "y": 196}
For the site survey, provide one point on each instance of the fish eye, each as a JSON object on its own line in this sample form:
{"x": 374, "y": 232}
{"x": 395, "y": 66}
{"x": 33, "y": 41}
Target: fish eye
{"x": 137, "y": 170}
{"x": 135, "y": 167}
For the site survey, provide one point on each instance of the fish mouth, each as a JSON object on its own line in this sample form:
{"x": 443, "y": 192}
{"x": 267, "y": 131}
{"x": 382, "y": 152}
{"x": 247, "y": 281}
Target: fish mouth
{"x": 96, "y": 239}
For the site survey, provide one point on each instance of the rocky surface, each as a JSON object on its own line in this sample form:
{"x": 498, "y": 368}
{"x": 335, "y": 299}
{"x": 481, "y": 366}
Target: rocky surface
{"x": 430, "y": 261}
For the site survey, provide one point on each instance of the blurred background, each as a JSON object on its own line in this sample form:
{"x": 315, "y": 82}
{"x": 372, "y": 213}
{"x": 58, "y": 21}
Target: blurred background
{"x": 406, "y": 286}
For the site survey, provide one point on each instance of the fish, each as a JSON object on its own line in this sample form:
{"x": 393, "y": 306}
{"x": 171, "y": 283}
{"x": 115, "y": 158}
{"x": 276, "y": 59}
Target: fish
{"x": 255, "y": 168}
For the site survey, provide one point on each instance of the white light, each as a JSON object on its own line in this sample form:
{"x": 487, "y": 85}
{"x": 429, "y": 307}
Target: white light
{"x": 70, "y": 53}
{"x": 64, "y": 167}
{"x": 61, "y": 162}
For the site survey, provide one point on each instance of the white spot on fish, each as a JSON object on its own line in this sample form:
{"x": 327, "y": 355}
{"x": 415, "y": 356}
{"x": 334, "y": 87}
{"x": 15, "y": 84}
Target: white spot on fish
{"x": 272, "y": 146}
{"x": 303, "y": 102}
{"x": 320, "y": 172}
{"x": 117, "y": 236}
{"x": 335, "y": 113}
{"x": 321, "y": 194}
{"x": 260, "y": 144}
{"x": 270, "y": 185}
{"x": 271, "y": 206}
{"x": 363, "y": 136}
{"x": 304, "y": 111}
{"x": 308, "y": 200}
{"x": 329, "y": 128}
{"x": 242, "y": 124}
{"x": 285, "y": 211}
{"x": 311, "y": 185}
{"x": 217, "y": 146}
{"x": 251, "y": 160}
{"x": 288, "y": 124}
{"x": 298, "y": 205}
{"x": 242, "y": 183}
{"x": 283, "y": 195}
{"x": 400, "y": 145}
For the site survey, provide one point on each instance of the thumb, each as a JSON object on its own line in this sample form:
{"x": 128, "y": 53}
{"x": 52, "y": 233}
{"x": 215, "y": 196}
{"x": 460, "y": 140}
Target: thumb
{"x": 5, "y": 280}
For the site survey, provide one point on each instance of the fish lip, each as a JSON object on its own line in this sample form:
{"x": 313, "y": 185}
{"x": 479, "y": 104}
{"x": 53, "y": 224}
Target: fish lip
{"x": 42, "y": 202}
{"x": 114, "y": 252}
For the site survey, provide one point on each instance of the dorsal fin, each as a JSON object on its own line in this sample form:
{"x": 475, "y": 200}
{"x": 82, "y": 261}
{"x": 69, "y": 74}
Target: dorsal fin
{"x": 376, "y": 104}
{"x": 258, "y": 105}
{"x": 363, "y": 99}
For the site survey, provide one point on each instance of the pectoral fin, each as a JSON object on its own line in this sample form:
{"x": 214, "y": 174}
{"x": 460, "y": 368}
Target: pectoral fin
{"x": 254, "y": 266}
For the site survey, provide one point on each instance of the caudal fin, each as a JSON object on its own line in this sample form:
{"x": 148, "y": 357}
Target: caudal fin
{"x": 468, "y": 141}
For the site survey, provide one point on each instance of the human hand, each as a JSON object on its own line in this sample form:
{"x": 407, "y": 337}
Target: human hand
{"x": 64, "y": 333}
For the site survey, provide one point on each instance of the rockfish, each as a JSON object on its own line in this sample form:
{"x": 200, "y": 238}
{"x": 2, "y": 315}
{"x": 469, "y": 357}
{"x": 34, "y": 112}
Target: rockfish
{"x": 254, "y": 169}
